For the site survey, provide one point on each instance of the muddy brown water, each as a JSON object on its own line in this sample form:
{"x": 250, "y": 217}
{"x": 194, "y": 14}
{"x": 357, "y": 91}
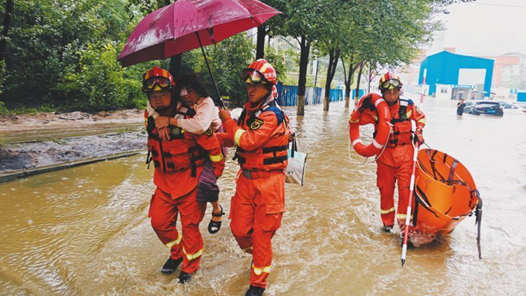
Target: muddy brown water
{"x": 85, "y": 231}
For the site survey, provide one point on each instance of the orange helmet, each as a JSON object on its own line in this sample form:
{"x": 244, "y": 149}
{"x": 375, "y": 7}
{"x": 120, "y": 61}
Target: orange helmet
{"x": 157, "y": 79}
{"x": 389, "y": 81}
{"x": 260, "y": 71}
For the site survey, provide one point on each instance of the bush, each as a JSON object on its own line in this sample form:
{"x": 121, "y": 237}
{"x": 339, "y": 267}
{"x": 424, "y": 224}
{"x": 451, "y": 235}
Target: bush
{"x": 2, "y": 78}
{"x": 99, "y": 82}
{"x": 3, "y": 109}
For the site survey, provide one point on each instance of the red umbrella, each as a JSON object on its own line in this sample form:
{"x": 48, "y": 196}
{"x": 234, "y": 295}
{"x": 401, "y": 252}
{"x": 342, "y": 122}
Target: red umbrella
{"x": 189, "y": 24}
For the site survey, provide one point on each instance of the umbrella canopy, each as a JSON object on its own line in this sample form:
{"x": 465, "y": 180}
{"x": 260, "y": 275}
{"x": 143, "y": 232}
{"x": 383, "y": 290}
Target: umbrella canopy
{"x": 185, "y": 24}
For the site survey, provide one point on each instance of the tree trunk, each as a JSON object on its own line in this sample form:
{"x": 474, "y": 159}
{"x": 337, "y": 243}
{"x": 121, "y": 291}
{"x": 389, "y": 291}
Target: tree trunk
{"x": 9, "y": 7}
{"x": 175, "y": 65}
{"x": 334, "y": 56}
{"x": 348, "y": 80}
{"x": 316, "y": 74}
{"x": 369, "y": 78}
{"x": 302, "y": 79}
{"x": 356, "y": 97}
{"x": 260, "y": 45}
{"x": 346, "y": 92}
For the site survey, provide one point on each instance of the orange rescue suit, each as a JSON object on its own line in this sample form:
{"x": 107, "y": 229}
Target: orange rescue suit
{"x": 178, "y": 165}
{"x": 262, "y": 138}
{"x": 395, "y": 163}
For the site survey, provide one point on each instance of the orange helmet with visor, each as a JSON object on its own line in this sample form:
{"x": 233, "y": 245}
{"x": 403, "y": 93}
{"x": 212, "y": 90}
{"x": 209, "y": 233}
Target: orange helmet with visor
{"x": 260, "y": 72}
{"x": 157, "y": 79}
{"x": 389, "y": 81}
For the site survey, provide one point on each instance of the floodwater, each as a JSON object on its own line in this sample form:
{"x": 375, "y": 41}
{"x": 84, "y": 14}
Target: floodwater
{"x": 85, "y": 231}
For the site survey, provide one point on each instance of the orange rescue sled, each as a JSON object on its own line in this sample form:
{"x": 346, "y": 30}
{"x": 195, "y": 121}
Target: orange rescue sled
{"x": 445, "y": 194}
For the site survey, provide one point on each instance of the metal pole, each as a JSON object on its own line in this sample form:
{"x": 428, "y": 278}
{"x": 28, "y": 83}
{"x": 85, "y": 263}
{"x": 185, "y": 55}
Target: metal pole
{"x": 408, "y": 212}
{"x": 218, "y": 101}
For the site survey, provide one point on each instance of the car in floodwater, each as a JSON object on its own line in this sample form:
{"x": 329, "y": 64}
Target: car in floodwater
{"x": 469, "y": 105}
{"x": 486, "y": 107}
{"x": 508, "y": 105}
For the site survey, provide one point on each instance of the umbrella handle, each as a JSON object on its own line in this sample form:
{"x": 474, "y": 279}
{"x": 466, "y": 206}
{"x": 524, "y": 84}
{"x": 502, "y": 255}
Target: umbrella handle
{"x": 217, "y": 100}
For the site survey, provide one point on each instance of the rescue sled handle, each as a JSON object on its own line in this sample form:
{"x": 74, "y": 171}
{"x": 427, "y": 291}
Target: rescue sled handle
{"x": 478, "y": 221}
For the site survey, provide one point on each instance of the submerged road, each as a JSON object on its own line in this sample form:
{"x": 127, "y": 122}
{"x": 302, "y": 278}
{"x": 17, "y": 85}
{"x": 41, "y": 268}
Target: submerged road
{"x": 85, "y": 230}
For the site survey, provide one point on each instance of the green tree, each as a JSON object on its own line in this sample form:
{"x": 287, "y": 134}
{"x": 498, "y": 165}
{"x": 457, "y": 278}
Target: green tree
{"x": 300, "y": 20}
{"x": 52, "y": 36}
{"x": 227, "y": 60}
{"x": 333, "y": 38}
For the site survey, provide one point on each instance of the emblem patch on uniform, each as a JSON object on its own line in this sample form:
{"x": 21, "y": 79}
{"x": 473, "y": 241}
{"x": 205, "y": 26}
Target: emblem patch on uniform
{"x": 257, "y": 123}
{"x": 209, "y": 132}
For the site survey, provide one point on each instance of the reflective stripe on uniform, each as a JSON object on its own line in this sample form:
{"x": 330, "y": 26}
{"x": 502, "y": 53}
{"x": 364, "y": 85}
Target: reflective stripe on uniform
{"x": 383, "y": 212}
{"x": 259, "y": 271}
{"x": 216, "y": 158}
{"x": 423, "y": 120}
{"x": 377, "y": 145}
{"x": 409, "y": 113}
{"x": 356, "y": 142}
{"x": 237, "y": 135}
{"x": 378, "y": 102}
{"x": 193, "y": 256}
{"x": 175, "y": 242}
{"x": 401, "y": 216}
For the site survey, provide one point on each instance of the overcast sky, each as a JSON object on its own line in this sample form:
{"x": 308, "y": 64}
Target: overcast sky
{"x": 484, "y": 27}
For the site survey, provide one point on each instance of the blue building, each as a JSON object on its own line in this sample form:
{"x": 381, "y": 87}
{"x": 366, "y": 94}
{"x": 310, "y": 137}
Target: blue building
{"x": 444, "y": 68}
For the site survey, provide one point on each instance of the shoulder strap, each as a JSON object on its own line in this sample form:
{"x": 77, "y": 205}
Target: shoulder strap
{"x": 242, "y": 117}
{"x": 402, "y": 110}
{"x": 273, "y": 107}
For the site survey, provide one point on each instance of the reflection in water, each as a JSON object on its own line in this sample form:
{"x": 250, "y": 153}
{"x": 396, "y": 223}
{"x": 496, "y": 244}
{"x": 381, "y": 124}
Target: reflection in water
{"x": 85, "y": 231}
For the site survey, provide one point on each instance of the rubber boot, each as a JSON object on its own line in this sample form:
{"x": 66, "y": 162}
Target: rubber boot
{"x": 184, "y": 277}
{"x": 171, "y": 265}
{"x": 387, "y": 228}
{"x": 255, "y": 291}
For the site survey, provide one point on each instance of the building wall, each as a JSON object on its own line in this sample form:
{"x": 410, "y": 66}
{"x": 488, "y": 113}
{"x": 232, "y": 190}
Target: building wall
{"x": 444, "y": 67}
{"x": 443, "y": 91}
{"x": 503, "y": 65}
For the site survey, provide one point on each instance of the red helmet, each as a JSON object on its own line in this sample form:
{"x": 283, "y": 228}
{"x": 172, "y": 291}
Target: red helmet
{"x": 389, "y": 81}
{"x": 157, "y": 79}
{"x": 260, "y": 71}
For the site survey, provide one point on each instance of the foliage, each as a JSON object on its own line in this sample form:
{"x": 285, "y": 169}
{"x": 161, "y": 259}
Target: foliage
{"x": 2, "y": 76}
{"x": 227, "y": 60}
{"x": 98, "y": 82}
{"x": 3, "y": 109}
{"x": 278, "y": 60}
{"x": 52, "y": 37}
{"x": 62, "y": 54}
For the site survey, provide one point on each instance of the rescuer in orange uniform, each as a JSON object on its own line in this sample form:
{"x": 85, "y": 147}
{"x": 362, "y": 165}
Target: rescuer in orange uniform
{"x": 395, "y": 162}
{"x": 261, "y": 136}
{"x": 178, "y": 158}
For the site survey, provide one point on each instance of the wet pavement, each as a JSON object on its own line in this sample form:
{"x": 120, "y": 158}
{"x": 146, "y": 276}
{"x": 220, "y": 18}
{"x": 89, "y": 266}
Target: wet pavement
{"x": 85, "y": 230}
